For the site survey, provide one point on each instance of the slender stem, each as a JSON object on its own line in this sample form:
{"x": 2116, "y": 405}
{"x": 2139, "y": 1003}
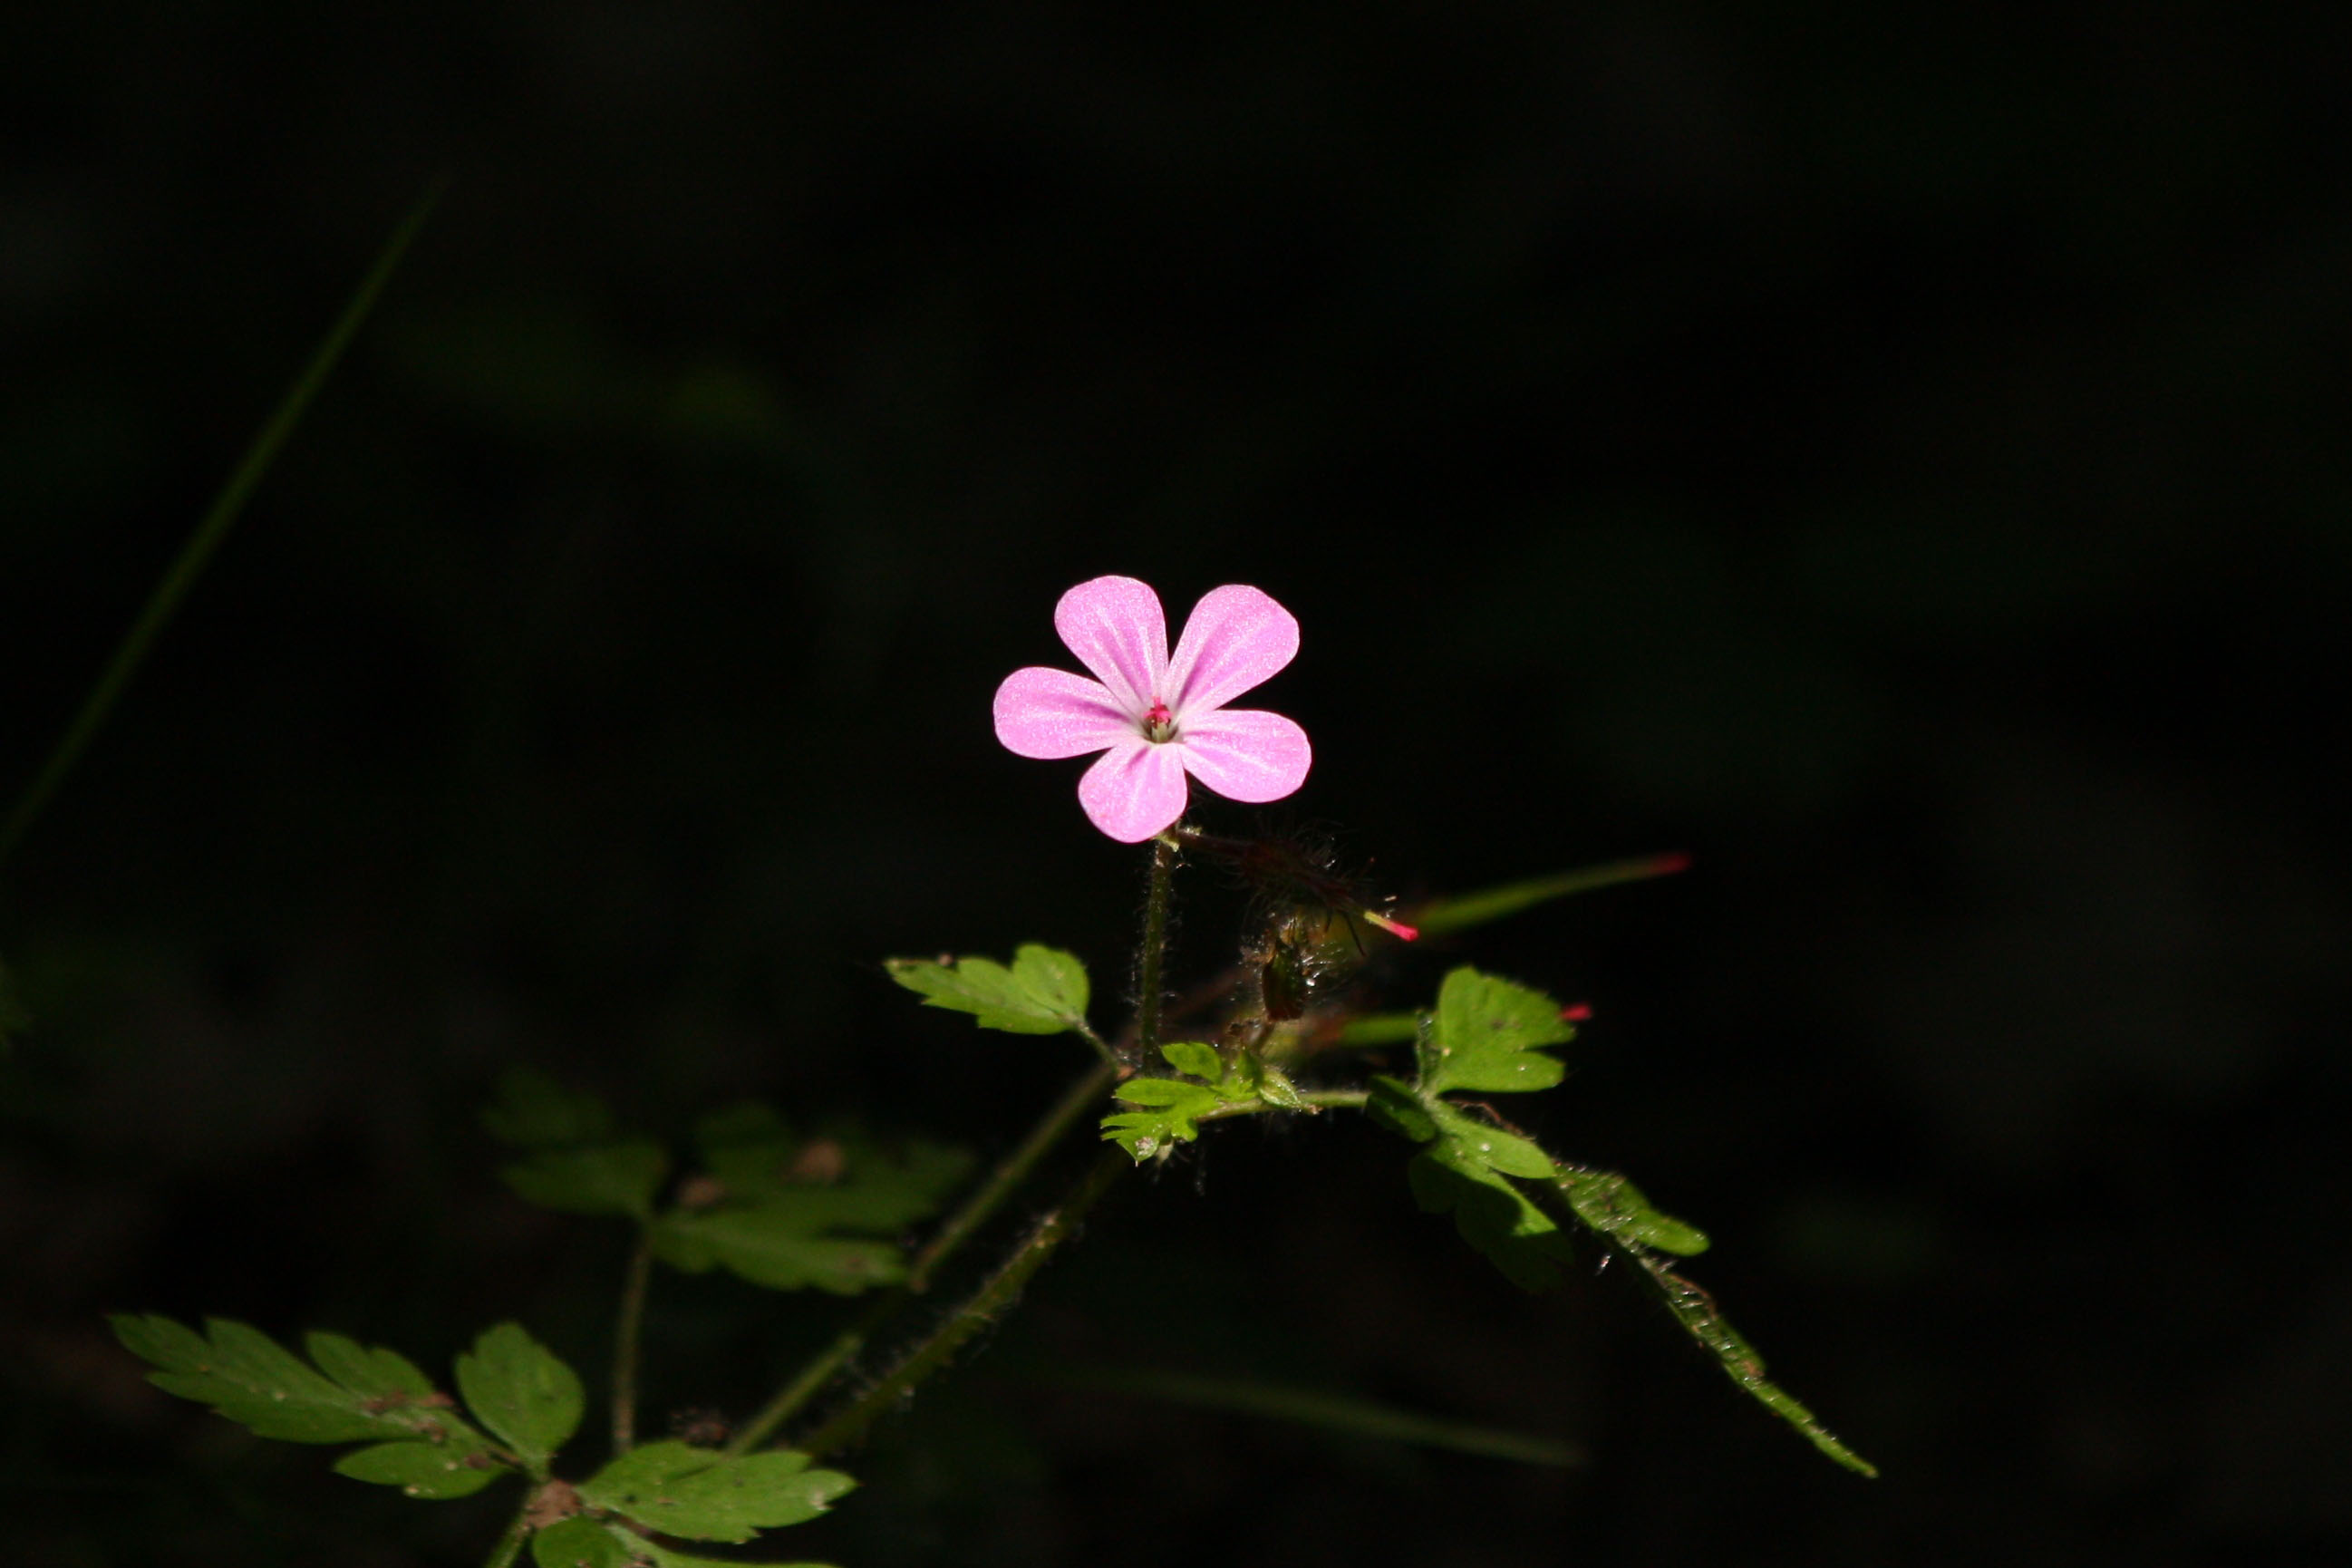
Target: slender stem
{"x": 1321, "y": 1099}
{"x": 509, "y": 1546}
{"x": 1155, "y": 946}
{"x": 210, "y": 530}
{"x": 1081, "y": 1097}
{"x": 628, "y": 1335}
{"x": 999, "y": 1292}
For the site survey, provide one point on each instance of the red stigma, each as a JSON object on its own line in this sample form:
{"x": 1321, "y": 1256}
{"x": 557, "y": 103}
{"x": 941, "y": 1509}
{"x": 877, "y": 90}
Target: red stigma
{"x": 1159, "y": 713}
{"x": 1576, "y": 1012}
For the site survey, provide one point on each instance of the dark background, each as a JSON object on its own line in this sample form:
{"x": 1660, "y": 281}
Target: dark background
{"x": 1898, "y": 456}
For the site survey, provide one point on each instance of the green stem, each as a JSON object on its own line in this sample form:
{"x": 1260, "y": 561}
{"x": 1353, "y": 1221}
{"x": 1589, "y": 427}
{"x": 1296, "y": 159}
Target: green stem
{"x": 1081, "y": 1097}
{"x": 628, "y": 1333}
{"x": 210, "y": 530}
{"x": 1155, "y": 946}
{"x": 509, "y": 1546}
{"x": 1321, "y": 1099}
{"x": 999, "y": 1292}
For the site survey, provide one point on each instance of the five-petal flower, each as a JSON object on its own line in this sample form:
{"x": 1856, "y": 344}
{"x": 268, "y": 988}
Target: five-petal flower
{"x": 1157, "y": 716}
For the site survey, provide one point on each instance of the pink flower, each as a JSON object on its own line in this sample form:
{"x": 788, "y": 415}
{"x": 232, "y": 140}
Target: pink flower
{"x": 1157, "y": 718}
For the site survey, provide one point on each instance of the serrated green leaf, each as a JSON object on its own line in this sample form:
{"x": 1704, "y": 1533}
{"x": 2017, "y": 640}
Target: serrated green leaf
{"x": 1486, "y": 1035}
{"x": 1044, "y": 992}
{"x": 517, "y": 1388}
{"x": 703, "y": 1495}
{"x": 1395, "y": 1106}
{"x": 433, "y": 1470}
{"x": 1490, "y": 1146}
{"x": 249, "y": 1378}
{"x": 1614, "y": 1206}
{"x": 844, "y": 1179}
{"x": 1168, "y": 1091}
{"x": 1492, "y": 1215}
{"x": 532, "y": 1110}
{"x": 1202, "y": 1061}
{"x": 618, "y": 1179}
{"x": 795, "y": 1212}
{"x": 584, "y": 1542}
{"x": 379, "y": 1373}
{"x": 773, "y": 1245}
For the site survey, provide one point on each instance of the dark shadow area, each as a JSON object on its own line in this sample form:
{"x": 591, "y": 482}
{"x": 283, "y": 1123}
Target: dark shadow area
{"x": 1901, "y": 459}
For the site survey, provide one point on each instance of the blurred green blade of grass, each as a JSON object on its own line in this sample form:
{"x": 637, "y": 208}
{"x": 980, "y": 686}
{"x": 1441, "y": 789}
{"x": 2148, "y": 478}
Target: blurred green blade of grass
{"x": 1330, "y": 1412}
{"x": 212, "y": 528}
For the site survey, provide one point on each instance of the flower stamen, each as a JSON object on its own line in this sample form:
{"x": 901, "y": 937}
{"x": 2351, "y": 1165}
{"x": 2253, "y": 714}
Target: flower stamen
{"x": 1159, "y": 724}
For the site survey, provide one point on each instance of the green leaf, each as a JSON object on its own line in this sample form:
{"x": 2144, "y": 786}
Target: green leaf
{"x": 790, "y": 1213}
{"x": 1171, "y": 1107}
{"x": 516, "y": 1387}
{"x": 1044, "y": 992}
{"x": 1492, "y": 1215}
{"x": 250, "y": 1379}
{"x": 1381, "y": 1030}
{"x": 378, "y": 1374}
{"x": 1443, "y": 917}
{"x": 534, "y": 1112}
{"x": 1202, "y": 1061}
{"x": 1695, "y": 1310}
{"x": 599, "y": 1179}
{"x": 841, "y": 1180}
{"x": 1485, "y": 1035}
{"x": 1490, "y": 1146}
{"x": 582, "y": 1543}
{"x": 1395, "y": 1106}
{"x": 435, "y": 1470}
{"x": 1615, "y": 1207}
{"x": 775, "y": 1245}
{"x": 703, "y": 1495}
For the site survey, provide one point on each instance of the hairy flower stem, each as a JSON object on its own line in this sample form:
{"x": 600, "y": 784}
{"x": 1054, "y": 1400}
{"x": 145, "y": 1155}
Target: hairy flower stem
{"x": 1082, "y": 1096}
{"x": 1002, "y": 1287}
{"x": 1155, "y": 946}
{"x": 628, "y": 1335}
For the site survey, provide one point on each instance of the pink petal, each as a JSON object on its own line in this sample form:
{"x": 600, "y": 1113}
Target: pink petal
{"x": 1136, "y": 789}
{"x": 1045, "y": 713}
{"x": 1245, "y": 755}
{"x": 1115, "y": 626}
{"x": 1237, "y": 636}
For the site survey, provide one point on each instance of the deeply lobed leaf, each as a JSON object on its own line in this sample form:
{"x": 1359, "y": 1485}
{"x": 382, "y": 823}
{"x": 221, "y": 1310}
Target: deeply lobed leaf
{"x": 520, "y": 1390}
{"x": 430, "y": 1470}
{"x": 532, "y": 1110}
{"x": 1044, "y": 992}
{"x": 249, "y": 1378}
{"x": 704, "y": 1495}
{"x": 618, "y": 1179}
{"x": 1488, "y": 1035}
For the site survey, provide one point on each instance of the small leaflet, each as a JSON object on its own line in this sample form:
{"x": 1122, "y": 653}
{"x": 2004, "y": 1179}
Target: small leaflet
{"x": 789, "y": 1212}
{"x": 1488, "y": 1035}
{"x": 1174, "y": 1107}
{"x": 704, "y": 1495}
{"x": 521, "y": 1391}
{"x": 354, "y": 1395}
{"x": 1044, "y": 992}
